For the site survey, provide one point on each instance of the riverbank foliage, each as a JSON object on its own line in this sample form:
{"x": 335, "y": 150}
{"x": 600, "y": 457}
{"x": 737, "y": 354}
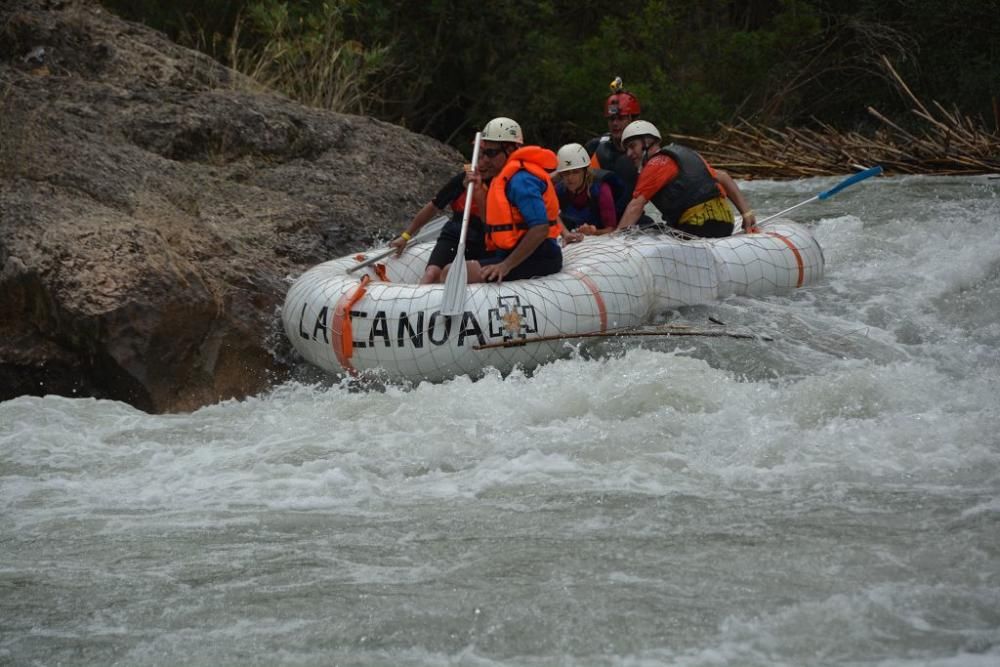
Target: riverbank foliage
{"x": 443, "y": 67}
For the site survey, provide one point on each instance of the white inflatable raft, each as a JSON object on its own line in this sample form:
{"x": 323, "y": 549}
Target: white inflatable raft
{"x": 378, "y": 319}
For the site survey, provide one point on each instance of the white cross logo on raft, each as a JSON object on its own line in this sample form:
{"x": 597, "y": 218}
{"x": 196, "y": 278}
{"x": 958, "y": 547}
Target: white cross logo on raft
{"x": 512, "y": 320}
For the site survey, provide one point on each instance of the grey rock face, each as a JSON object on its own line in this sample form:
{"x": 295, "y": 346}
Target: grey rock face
{"x": 154, "y": 206}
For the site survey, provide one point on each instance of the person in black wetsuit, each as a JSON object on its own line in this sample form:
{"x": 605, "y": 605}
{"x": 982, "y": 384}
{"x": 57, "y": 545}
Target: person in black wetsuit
{"x": 607, "y": 152}
{"x": 450, "y": 196}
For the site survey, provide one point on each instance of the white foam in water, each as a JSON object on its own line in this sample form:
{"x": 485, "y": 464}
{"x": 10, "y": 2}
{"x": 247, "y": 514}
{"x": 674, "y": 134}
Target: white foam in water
{"x": 830, "y": 497}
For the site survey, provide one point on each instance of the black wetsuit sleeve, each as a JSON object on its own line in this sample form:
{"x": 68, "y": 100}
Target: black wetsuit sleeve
{"x": 451, "y": 190}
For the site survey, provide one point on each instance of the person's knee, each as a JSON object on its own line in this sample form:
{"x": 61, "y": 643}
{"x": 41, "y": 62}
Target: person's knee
{"x": 432, "y": 274}
{"x": 474, "y": 271}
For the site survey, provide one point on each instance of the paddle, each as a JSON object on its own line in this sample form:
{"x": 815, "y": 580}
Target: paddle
{"x": 826, "y": 194}
{"x": 458, "y": 274}
{"x": 664, "y": 330}
{"x": 432, "y": 228}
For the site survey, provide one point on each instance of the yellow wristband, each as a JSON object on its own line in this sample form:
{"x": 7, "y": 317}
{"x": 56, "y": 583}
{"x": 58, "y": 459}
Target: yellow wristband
{"x": 746, "y": 213}
{"x": 406, "y": 236}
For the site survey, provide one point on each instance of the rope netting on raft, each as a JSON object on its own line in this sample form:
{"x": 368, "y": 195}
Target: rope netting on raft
{"x": 609, "y": 285}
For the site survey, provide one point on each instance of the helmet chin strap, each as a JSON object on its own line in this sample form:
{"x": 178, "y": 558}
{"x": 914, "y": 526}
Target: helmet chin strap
{"x": 645, "y": 156}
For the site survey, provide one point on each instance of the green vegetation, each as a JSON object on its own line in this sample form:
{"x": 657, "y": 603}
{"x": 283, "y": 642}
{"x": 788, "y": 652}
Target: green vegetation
{"x": 443, "y": 67}
{"x": 307, "y": 56}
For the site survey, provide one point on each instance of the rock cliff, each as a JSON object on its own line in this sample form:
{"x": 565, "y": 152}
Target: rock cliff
{"x": 154, "y": 206}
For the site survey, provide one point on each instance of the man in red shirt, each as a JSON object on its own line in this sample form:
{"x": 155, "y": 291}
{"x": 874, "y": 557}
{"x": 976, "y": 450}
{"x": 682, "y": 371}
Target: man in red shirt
{"x": 690, "y": 195}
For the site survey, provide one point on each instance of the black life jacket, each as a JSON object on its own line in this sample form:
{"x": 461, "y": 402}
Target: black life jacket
{"x": 693, "y": 185}
{"x": 612, "y": 159}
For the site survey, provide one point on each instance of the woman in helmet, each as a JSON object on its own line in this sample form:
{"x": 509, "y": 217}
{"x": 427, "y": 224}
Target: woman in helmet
{"x": 589, "y": 199}
{"x": 690, "y": 194}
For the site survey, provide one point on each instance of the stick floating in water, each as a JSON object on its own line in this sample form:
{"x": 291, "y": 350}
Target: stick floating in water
{"x": 669, "y": 330}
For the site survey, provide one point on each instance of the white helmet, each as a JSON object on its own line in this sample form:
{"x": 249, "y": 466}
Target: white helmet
{"x": 572, "y": 156}
{"x": 639, "y": 128}
{"x": 503, "y": 129}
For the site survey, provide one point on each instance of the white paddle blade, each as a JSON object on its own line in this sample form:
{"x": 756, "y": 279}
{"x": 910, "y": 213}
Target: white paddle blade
{"x": 454, "y": 286}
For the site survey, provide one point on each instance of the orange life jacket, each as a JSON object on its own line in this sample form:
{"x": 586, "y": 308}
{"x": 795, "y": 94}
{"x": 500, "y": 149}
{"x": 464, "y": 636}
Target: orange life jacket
{"x": 504, "y": 223}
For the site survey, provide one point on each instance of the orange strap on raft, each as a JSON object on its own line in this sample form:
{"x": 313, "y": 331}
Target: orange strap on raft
{"x": 602, "y": 311}
{"x": 795, "y": 252}
{"x": 341, "y": 337}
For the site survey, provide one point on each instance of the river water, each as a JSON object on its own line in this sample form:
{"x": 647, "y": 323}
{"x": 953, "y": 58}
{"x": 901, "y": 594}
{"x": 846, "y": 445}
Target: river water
{"x": 831, "y": 497}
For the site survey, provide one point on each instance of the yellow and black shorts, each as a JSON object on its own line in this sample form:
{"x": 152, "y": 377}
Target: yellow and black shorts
{"x": 711, "y": 219}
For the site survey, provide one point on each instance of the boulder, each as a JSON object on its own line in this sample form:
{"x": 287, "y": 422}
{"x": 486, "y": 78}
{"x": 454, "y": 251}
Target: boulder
{"x": 154, "y": 206}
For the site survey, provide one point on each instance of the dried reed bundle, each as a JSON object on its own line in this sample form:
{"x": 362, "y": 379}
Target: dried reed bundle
{"x": 947, "y": 142}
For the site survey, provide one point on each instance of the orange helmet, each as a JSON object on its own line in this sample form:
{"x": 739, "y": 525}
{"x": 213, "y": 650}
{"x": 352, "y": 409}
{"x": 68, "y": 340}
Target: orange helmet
{"x": 622, "y": 104}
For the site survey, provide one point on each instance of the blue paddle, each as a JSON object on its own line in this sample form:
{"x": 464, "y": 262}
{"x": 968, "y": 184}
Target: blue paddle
{"x": 826, "y": 194}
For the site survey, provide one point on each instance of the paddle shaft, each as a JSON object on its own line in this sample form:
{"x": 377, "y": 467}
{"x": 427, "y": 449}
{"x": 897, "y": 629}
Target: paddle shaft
{"x": 790, "y": 208}
{"x": 468, "y": 201}
{"x": 428, "y": 230}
